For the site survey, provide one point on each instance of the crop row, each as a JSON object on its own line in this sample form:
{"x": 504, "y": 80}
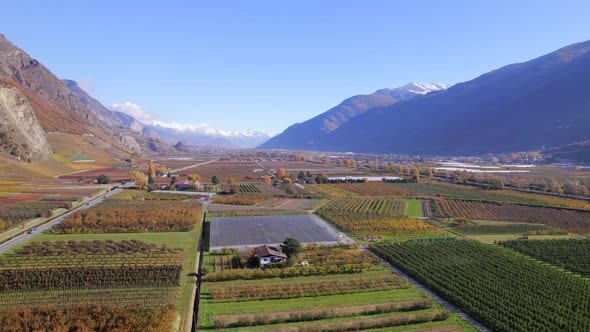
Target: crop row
{"x": 573, "y": 221}
{"x": 96, "y": 247}
{"x": 379, "y": 206}
{"x": 502, "y": 290}
{"x": 247, "y": 274}
{"x": 372, "y": 189}
{"x": 141, "y": 216}
{"x": 569, "y": 254}
{"x": 368, "y": 323}
{"x": 448, "y": 190}
{"x": 88, "y": 318}
{"x": 148, "y": 297}
{"x": 317, "y": 314}
{"x": 375, "y": 224}
{"x": 505, "y": 228}
{"x": 249, "y": 189}
{"x": 89, "y": 277}
{"x": 291, "y": 289}
{"x": 39, "y": 262}
{"x": 21, "y": 212}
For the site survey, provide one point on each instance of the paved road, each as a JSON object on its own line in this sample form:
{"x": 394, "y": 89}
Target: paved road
{"x": 24, "y": 237}
{"x": 437, "y": 298}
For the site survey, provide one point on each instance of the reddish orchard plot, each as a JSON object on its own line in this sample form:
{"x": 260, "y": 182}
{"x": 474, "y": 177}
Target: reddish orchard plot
{"x": 10, "y": 200}
{"x": 257, "y": 230}
{"x": 571, "y": 220}
{"x": 224, "y": 170}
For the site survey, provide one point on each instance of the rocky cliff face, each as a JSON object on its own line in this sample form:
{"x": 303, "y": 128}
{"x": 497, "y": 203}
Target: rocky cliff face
{"x": 21, "y": 135}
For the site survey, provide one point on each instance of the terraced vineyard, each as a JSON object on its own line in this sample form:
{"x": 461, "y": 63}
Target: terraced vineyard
{"x": 566, "y": 254}
{"x": 390, "y": 207}
{"x": 502, "y": 290}
{"x": 573, "y": 221}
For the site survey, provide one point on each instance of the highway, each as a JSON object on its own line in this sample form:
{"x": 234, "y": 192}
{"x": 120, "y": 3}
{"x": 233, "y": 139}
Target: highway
{"x": 24, "y": 237}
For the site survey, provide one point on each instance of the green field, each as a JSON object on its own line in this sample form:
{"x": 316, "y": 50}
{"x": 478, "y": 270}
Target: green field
{"x": 414, "y": 208}
{"x": 571, "y": 254}
{"x": 499, "y": 288}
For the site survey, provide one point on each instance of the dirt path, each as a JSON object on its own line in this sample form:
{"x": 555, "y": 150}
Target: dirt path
{"x": 195, "y": 165}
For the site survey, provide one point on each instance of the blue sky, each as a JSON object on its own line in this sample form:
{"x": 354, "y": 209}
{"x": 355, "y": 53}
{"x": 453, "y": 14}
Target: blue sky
{"x": 265, "y": 65}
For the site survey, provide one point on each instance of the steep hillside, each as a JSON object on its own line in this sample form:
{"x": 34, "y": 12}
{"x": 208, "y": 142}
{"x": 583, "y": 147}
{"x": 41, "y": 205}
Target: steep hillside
{"x": 541, "y": 103}
{"x": 21, "y": 135}
{"x": 134, "y": 135}
{"x": 309, "y": 134}
{"x": 53, "y": 105}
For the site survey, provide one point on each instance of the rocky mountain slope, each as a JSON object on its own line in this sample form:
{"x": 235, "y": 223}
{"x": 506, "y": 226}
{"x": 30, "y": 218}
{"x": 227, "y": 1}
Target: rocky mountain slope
{"x": 309, "y": 134}
{"x": 133, "y": 134}
{"x": 534, "y": 105}
{"x": 21, "y": 135}
{"x": 53, "y": 106}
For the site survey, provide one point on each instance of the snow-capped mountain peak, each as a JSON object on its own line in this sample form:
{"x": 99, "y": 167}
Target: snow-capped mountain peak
{"x": 424, "y": 88}
{"x": 204, "y": 134}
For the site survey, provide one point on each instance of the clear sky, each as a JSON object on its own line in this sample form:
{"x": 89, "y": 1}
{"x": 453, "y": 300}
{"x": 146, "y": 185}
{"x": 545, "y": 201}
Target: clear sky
{"x": 265, "y": 65}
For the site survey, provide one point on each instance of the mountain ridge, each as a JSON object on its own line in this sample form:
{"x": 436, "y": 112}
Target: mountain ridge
{"x": 533, "y": 105}
{"x": 316, "y": 128}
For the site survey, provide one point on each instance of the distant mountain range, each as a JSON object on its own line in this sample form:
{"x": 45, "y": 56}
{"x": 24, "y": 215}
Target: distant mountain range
{"x": 207, "y": 136}
{"x": 36, "y": 108}
{"x": 539, "y": 104}
{"x": 310, "y": 134}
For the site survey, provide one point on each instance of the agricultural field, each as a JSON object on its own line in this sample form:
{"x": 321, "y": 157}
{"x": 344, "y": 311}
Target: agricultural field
{"x": 269, "y": 189}
{"x": 240, "y": 199}
{"x": 132, "y": 195}
{"x": 117, "y": 216}
{"x": 570, "y": 220}
{"x": 341, "y": 289}
{"x": 374, "y": 226}
{"x": 115, "y": 174}
{"x": 52, "y": 279}
{"x": 499, "y": 288}
{"x": 248, "y": 189}
{"x": 502, "y": 227}
{"x": 571, "y": 255}
{"x": 143, "y": 281}
{"x": 372, "y": 189}
{"x": 329, "y": 190}
{"x": 224, "y": 170}
{"x": 415, "y": 208}
{"x": 448, "y": 190}
{"x": 379, "y": 206}
{"x": 21, "y": 202}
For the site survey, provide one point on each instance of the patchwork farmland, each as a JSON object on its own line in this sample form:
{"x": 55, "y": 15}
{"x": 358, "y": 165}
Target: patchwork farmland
{"x": 142, "y": 280}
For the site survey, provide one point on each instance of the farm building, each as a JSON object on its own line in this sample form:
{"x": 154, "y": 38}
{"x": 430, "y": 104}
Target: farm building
{"x": 267, "y": 254}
